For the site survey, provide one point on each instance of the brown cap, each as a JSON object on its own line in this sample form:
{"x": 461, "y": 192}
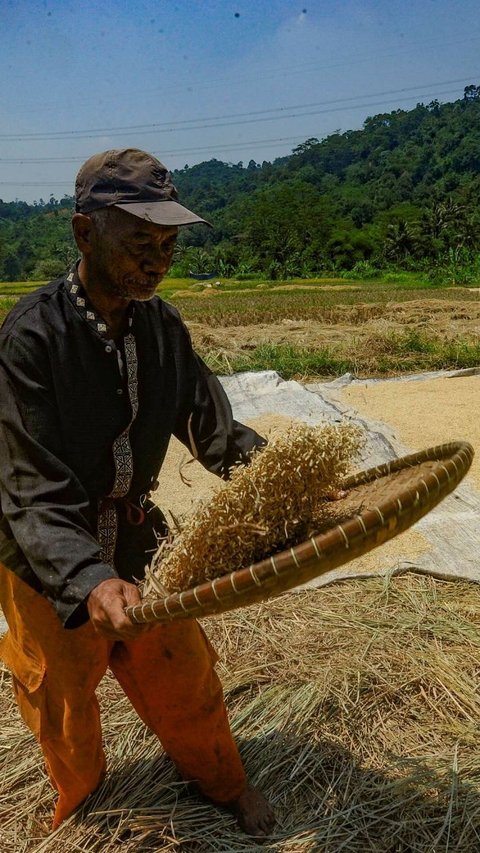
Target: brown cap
{"x": 134, "y": 181}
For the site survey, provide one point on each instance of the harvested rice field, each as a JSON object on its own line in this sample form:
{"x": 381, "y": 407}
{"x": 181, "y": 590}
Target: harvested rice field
{"x": 325, "y": 334}
{"x": 323, "y": 327}
{"x": 356, "y": 709}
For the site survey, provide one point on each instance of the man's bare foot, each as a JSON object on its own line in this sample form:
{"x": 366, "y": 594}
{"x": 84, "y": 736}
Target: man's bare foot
{"x": 255, "y": 815}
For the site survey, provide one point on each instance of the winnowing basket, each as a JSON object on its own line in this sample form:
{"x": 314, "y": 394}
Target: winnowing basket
{"x": 379, "y": 503}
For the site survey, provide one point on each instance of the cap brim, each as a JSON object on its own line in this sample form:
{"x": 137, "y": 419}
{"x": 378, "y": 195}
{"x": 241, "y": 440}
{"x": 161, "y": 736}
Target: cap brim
{"x": 163, "y": 212}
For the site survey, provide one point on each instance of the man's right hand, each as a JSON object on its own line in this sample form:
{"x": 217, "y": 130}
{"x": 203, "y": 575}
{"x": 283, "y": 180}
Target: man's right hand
{"x": 106, "y": 607}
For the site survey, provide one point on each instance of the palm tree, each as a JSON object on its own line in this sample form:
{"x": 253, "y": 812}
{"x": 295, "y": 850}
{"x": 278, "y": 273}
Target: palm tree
{"x": 399, "y": 241}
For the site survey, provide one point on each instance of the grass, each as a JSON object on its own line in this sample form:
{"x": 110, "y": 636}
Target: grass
{"x": 287, "y": 360}
{"x": 387, "y": 354}
{"x": 242, "y": 309}
{"x": 19, "y": 288}
{"x": 390, "y": 283}
{"x": 236, "y": 304}
{"x": 6, "y": 303}
{"x": 356, "y": 708}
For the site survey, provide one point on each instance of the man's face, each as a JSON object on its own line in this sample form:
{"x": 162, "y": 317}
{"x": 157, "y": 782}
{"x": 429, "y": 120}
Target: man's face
{"x": 130, "y": 256}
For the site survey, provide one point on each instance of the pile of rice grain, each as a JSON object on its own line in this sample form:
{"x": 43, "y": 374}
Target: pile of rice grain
{"x": 276, "y": 501}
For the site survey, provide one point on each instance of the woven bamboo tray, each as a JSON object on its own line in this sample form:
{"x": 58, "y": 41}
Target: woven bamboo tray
{"x": 379, "y": 503}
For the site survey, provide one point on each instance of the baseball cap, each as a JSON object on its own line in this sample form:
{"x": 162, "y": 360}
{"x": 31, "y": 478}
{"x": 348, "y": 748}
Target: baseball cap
{"x": 136, "y": 182}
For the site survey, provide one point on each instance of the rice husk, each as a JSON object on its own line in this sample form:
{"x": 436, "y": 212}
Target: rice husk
{"x": 278, "y": 500}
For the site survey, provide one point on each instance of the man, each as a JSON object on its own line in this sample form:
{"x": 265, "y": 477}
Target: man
{"x": 96, "y": 374}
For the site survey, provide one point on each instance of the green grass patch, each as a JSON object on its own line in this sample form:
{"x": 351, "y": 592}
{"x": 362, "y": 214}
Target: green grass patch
{"x": 19, "y": 288}
{"x": 387, "y": 283}
{"x": 6, "y": 303}
{"x": 396, "y": 353}
{"x": 287, "y": 360}
{"x": 413, "y": 352}
{"x": 390, "y": 280}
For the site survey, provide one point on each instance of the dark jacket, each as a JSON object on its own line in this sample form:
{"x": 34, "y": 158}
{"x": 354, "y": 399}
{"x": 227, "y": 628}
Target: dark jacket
{"x": 70, "y": 401}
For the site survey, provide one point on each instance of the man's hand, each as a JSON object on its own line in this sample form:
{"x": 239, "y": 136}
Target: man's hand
{"x": 106, "y": 607}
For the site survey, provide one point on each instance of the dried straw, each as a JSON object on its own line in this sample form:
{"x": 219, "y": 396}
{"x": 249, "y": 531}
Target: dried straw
{"x": 275, "y": 502}
{"x": 356, "y": 709}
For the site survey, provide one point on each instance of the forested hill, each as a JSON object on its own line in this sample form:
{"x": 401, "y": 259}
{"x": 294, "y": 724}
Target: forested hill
{"x": 402, "y": 191}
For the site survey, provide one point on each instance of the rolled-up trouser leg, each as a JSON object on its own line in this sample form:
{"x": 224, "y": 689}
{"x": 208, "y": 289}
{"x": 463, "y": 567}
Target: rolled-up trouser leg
{"x": 55, "y": 673}
{"x": 168, "y": 675}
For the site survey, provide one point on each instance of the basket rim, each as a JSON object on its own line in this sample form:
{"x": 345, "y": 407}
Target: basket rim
{"x": 334, "y": 546}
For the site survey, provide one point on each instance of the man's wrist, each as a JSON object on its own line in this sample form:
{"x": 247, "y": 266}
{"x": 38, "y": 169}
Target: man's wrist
{"x": 72, "y": 606}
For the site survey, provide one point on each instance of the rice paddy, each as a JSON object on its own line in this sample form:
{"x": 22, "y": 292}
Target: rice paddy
{"x": 367, "y": 329}
{"x": 324, "y": 327}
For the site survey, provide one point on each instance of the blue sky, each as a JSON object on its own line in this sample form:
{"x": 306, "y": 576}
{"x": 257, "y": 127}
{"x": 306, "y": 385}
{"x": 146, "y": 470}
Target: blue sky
{"x": 213, "y": 78}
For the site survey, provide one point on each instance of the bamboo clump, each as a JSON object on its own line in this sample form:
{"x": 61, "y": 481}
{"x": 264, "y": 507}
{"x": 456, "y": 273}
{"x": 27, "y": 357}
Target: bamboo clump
{"x": 276, "y": 501}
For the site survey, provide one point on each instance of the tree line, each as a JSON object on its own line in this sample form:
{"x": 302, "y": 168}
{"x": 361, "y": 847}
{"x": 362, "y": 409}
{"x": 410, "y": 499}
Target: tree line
{"x": 400, "y": 193}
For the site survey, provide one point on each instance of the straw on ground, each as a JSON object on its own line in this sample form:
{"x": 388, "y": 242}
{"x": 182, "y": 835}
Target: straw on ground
{"x": 356, "y": 708}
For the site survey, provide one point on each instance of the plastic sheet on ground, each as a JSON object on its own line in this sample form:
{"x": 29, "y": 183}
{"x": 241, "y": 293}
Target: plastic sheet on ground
{"x": 451, "y": 532}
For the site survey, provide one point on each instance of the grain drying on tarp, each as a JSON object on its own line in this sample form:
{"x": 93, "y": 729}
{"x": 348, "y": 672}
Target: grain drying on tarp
{"x": 356, "y": 709}
{"x": 276, "y": 501}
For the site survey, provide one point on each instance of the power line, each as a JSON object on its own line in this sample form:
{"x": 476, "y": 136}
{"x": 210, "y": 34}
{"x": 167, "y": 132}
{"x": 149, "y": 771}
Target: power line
{"x": 183, "y": 123}
{"x": 236, "y": 146}
{"x": 232, "y": 146}
{"x": 316, "y": 112}
{"x": 196, "y": 150}
{"x": 279, "y": 141}
{"x": 218, "y": 121}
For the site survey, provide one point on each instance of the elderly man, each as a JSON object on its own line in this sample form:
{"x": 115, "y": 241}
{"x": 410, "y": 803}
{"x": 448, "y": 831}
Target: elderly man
{"x": 96, "y": 374}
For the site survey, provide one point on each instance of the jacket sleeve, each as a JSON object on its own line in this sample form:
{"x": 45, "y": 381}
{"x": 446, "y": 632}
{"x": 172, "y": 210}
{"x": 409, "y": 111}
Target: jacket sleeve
{"x": 206, "y": 424}
{"x": 42, "y": 500}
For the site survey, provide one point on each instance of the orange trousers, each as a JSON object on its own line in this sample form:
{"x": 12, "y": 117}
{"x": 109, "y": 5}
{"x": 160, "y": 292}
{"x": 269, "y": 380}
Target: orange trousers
{"x": 168, "y": 675}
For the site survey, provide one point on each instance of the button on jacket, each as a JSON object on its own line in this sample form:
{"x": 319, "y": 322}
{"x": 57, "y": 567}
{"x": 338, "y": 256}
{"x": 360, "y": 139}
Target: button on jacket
{"x": 84, "y": 427}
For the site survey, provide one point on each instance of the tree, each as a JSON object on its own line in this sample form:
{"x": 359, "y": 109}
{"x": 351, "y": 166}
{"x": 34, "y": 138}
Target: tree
{"x": 399, "y": 241}
{"x": 471, "y": 93}
{"x": 306, "y": 146}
